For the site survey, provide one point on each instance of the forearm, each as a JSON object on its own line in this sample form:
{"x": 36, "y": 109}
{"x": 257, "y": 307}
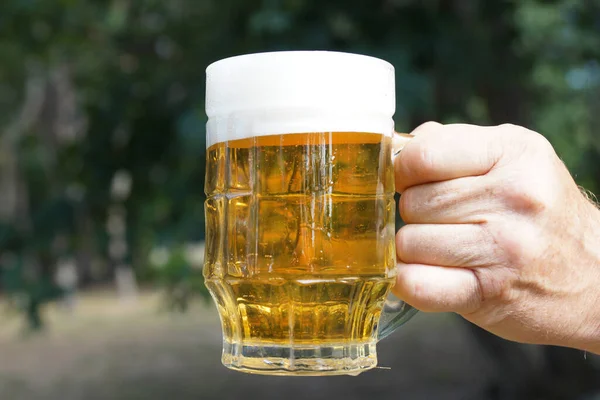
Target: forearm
{"x": 590, "y": 337}
{"x": 593, "y": 343}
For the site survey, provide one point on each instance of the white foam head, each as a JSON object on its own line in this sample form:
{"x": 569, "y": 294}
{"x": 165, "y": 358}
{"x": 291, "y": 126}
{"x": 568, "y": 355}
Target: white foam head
{"x": 297, "y": 92}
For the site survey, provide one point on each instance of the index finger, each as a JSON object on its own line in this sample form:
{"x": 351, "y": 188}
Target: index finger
{"x": 443, "y": 152}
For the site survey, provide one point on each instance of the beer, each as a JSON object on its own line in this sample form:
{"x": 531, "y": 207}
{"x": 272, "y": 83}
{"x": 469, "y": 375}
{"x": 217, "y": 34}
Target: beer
{"x": 300, "y": 241}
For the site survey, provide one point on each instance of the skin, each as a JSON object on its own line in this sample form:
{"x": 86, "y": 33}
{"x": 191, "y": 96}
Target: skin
{"x": 498, "y": 232}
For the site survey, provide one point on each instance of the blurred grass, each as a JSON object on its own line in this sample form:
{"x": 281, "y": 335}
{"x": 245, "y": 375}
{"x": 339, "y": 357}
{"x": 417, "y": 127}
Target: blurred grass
{"x": 101, "y": 347}
{"x": 97, "y": 306}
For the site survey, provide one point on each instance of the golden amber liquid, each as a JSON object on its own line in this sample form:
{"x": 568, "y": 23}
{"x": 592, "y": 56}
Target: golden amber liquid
{"x": 300, "y": 237}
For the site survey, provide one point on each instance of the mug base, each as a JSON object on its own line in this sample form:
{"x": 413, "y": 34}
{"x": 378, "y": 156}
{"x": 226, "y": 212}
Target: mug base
{"x": 300, "y": 360}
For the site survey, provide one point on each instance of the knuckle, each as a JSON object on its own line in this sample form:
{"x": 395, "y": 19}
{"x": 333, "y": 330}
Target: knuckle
{"x": 512, "y": 247}
{"x": 508, "y": 127}
{"x": 517, "y": 245}
{"x": 494, "y": 254}
{"x": 496, "y": 287}
{"x": 537, "y": 142}
{"x": 428, "y": 126}
{"x": 529, "y": 138}
{"x": 513, "y": 130}
{"x": 464, "y": 259}
{"x": 524, "y": 198}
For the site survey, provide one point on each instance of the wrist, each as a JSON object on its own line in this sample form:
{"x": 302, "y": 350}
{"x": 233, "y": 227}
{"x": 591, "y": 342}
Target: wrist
{"x": 593, "y": 343}
{"x": 590, "y": 338}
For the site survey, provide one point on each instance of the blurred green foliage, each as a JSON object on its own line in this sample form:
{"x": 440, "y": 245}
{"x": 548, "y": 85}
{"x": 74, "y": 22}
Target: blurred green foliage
{"x": 181, "y": 281}
{"x": 92, "y": 90}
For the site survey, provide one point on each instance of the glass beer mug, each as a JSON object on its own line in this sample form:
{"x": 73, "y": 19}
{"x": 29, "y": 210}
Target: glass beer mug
{"x": 300, "y": 211}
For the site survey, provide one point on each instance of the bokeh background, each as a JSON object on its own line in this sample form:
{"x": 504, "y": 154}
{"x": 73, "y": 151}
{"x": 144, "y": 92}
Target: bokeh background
{"x": 102, "y": 146}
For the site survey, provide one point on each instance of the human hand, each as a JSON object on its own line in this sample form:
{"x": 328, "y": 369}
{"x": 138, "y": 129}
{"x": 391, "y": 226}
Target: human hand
{"x": 498, "y": 232}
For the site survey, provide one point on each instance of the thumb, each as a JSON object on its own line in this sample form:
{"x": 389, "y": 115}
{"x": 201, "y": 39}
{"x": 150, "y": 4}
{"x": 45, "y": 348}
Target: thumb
{"x": 438, "y": 289}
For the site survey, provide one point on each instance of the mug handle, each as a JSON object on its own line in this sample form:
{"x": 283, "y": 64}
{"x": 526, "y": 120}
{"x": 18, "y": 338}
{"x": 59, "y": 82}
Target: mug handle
{"x": 395, "y": 312}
